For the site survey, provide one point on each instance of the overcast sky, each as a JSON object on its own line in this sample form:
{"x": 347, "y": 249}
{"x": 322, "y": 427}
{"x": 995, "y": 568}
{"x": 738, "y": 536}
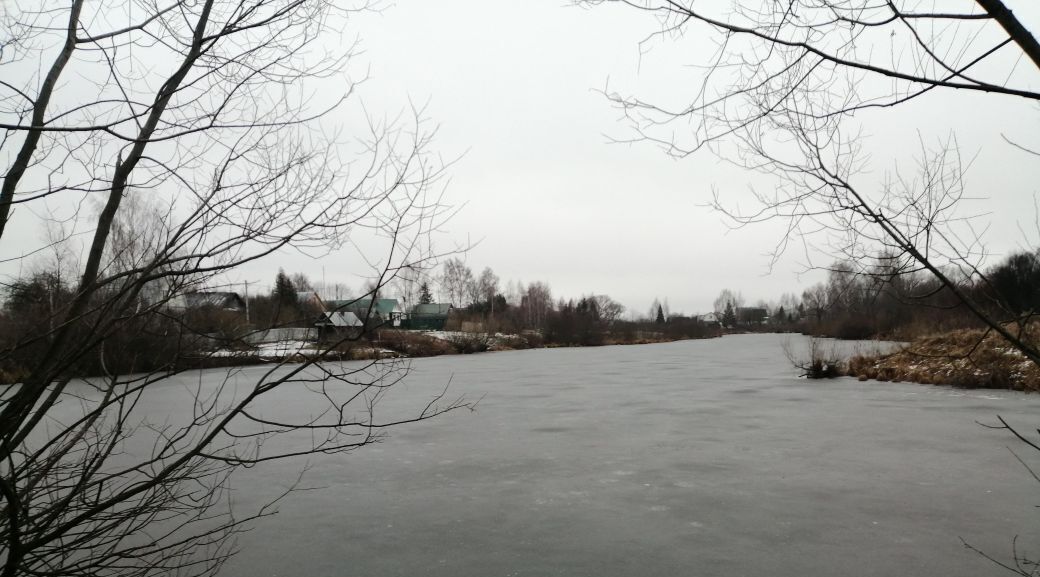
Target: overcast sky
{"x": 514, "y": 87}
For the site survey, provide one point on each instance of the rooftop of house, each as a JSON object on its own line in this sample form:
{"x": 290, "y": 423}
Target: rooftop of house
{"x": 361, "y": 307}
{"x": 340, "y": 319}
{"x": 432, "y": 309}
{"x": 225, "y": 300}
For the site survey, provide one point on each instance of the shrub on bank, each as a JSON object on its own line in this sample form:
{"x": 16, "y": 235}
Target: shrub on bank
{"x": 969, "y": 358}
{"x": 468, "y": 343}
{"x": 414, "y": 344}
{"x": 815, "y": 363}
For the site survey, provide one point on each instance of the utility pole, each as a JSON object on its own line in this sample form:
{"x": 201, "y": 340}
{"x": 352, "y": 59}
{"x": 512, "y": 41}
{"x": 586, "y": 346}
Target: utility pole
{"x": 246, "y": 283}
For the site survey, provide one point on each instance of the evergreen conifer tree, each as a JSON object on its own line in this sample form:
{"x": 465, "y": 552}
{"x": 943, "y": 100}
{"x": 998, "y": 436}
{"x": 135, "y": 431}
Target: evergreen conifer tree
{"x": 425, "y": 296}
{"x": 729, "y": 316}
{"x": 284, "y": 291}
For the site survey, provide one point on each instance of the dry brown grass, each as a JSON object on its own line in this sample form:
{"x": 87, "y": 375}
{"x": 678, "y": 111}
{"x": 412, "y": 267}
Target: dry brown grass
{"x": 968, "y": 358}
{"x": 414, "y": 344}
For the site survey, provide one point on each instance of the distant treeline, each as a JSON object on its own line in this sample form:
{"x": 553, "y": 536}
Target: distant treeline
{"x": 178, "y": 326}
{"x": 889, "y": 298}
{"x": 173, "y": 326}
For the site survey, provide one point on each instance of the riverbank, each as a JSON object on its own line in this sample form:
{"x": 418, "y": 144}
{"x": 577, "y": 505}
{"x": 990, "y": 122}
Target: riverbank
{"x": 400, "y": 343}
{"x": 388, "y": 344}
{"x": 968, "y": 358}
{"x": 391, "y": 344}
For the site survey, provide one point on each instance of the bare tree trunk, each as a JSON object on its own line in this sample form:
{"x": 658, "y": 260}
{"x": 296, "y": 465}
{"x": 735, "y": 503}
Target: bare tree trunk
{"x": 36, "y": 384}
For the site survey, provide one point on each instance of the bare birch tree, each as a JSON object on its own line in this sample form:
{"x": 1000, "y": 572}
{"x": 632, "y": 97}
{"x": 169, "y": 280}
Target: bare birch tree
{"x": 487, "y": 285}
{"x": 207, "y": 133}
{"x": 455, "y": 280}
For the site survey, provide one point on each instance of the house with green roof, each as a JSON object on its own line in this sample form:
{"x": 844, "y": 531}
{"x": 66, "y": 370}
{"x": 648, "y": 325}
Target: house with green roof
{"x": 428, "y": 317}
{"x": 381, "y": 312}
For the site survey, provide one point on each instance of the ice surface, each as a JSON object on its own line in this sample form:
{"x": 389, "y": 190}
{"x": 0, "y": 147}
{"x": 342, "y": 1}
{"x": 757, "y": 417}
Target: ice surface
{"x": 690, "y": 458}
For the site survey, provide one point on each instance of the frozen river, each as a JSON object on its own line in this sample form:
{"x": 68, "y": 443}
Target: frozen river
{"x": 689, "y": 458}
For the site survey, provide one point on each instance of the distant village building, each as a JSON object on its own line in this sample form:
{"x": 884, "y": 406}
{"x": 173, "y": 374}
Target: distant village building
{"x": 341, "y": 319}
{"x": 710, "y": 318}
{"x": 339, "y": 324}
{"x": 752, "y": 315}
{"x": 381, "y": 312}
{"x": 310, "y": 300}
{"x": 210, "y": 312}
{"x": 226, "y": 301}
{"x": 429, "y": 317}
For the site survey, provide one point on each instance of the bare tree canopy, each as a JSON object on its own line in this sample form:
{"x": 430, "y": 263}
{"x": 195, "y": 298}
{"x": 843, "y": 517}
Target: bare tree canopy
{"x": 610, "y": 311}
{"x": 726, "y": 298}
{"x": 824, "y": 59}
{"x": 786, "y": 92}
{"x": 456, "y": 280}
{"x": 203, "y": 135}
{"x": 487, "y": 287}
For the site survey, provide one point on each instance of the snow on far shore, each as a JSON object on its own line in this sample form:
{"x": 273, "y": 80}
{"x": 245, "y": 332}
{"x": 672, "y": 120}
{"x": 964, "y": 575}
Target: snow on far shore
{"x": 282, "y": 350}
{"x": 276, "y": 349}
